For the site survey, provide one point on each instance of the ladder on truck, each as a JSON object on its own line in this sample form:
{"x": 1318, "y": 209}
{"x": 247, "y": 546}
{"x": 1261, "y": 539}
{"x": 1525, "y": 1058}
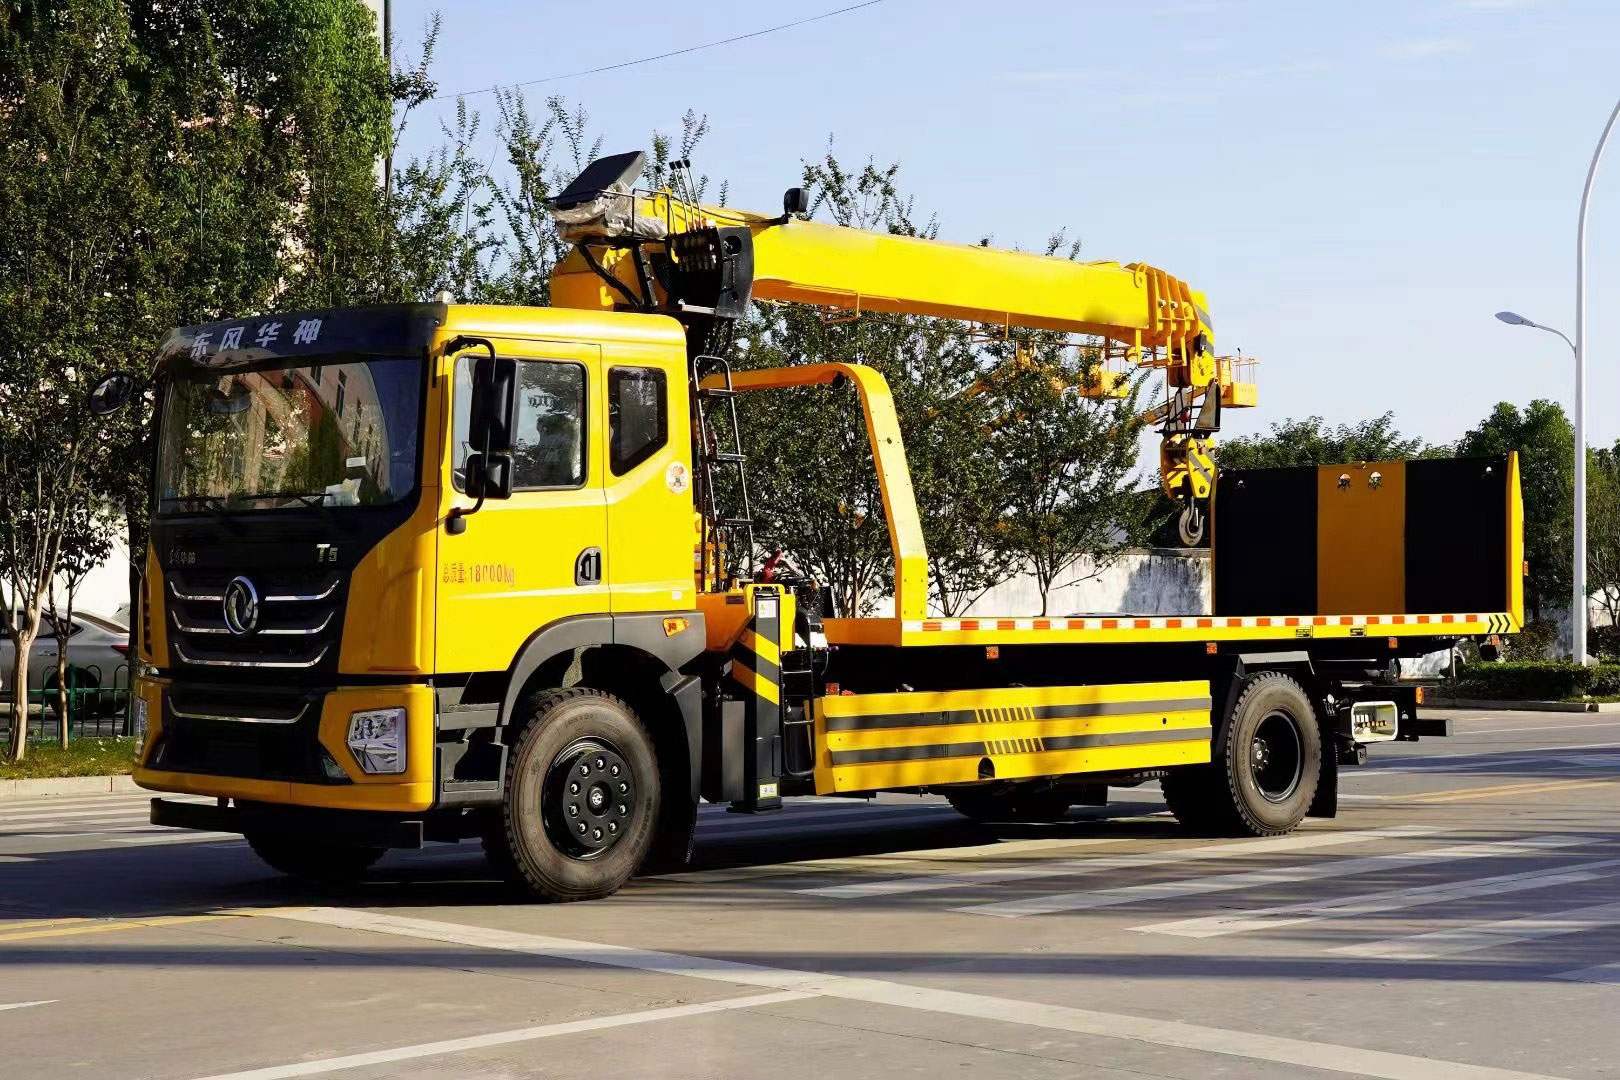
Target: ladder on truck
{"x": 726, "y": 537}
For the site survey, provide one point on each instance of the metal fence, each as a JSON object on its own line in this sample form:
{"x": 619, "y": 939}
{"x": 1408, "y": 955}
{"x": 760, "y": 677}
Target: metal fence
{"x": 96, "y": 706}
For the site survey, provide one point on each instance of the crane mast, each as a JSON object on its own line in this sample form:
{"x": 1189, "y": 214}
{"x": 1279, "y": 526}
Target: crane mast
{"x": 656, "y": 251}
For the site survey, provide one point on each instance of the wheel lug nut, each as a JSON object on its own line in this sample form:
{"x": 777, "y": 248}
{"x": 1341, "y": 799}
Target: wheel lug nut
{"x": 573, "y": 809}
{"x": 614, "y": 770}
{"x": 600, "y": 763}
{"x": 613, "y": 826}
{"x": 622, "y": 809}
{"x": 596, "y": 834}
{"x": 573, "y": 789}
{"x": 584, "y": 769}
{"x": 582, "y": 828}
{"x": 623, "y": 788}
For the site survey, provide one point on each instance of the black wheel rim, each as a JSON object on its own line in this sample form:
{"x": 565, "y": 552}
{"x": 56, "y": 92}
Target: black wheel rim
{"x": 1277, "y": 757}
{"x": 588, "y": 801}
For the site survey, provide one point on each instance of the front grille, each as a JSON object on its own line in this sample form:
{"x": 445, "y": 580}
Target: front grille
{"x": 298, "y": 629}
{"x": 256, "y": 733}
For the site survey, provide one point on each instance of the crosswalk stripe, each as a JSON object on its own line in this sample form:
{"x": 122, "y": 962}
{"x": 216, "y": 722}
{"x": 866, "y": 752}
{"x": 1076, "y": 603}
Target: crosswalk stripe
{"x": 1066, "y": 867}
{"x": 70, "y": 815}
{"x": 1153, "y": 1031}
{"x": 1602, "y": 973}
{"x": 1484, "y": 935}
{"x": 1376, "y": 902}
{"x": 1281, "y": 875}
{"x": 8, "y": 806}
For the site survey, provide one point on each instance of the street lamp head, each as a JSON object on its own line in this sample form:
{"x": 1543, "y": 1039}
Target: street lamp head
{"x": 1513, "y": 318}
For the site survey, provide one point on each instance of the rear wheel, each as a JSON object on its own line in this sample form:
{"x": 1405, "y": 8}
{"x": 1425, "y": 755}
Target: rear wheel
{"x": 1009, "y": 802}
{"x": 1266, "y": 767}
{"x": 313, "y": 861}
{"x": 582, "y": 797}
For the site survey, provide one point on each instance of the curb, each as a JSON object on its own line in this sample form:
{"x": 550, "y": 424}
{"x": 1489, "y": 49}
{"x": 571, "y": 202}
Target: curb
{"x": 66, "y": 785}
{"x": 1527, "y": 706}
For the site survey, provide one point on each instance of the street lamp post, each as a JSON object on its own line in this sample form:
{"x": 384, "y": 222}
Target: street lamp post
{"x": 1578, "y": 610}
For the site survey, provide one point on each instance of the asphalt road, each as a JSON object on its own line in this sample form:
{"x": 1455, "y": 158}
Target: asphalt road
{"x": 1460, "y": 920}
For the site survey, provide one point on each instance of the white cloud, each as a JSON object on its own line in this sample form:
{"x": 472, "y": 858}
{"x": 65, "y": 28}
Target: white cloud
{"x": 1426, "y": 48}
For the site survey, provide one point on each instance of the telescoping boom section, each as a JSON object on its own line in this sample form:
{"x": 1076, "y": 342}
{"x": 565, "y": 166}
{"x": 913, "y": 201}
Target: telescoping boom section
{"x": 449, "y": 571}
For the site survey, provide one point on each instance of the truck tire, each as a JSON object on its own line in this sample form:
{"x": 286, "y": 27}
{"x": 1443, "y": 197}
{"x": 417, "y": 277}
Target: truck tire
{"x": 1266, "y": 767}
{"x": 582, "y": 797}
{"x": 313, "y": 860}
{"x": 1008, "y": 802}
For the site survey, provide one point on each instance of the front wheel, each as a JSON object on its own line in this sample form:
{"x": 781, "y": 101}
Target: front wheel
{"x": 582, "y": 797}
{"x": 313, "y": 860}
{"x": 1266, "y": 767}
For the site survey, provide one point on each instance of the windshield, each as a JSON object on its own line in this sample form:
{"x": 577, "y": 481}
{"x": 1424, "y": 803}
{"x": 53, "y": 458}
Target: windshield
{"x": 329, "y": 435}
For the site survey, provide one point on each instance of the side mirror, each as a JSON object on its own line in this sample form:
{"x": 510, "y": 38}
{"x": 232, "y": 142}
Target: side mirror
{"x": 113, "y": 392}
{"x": 492, "y": 427}
{"x": 795, "y": 200}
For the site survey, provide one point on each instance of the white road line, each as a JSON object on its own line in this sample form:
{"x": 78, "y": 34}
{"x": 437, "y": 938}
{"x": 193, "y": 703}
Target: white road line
{"x": 1471, "y": 730}
{"x": 26, "y": 1004}
{"x": 839, "y": 817}
{"x": 887, "y": 860}
{"x": 1131, "y": 894}
{"x": 1484, "y": 935}
{"x": 1375, "y": 903}
{"x": 1602, "y": 973}
{"x": 1434, "y": 762}
{"x": 1067, "y": 867}
{"x": 143, "y": 798}
{"x": 503, "y": 1038}
{"x": 1225, "y": 1041}
{"x": 72, "y": 815}
{"x": 176, "y": 836}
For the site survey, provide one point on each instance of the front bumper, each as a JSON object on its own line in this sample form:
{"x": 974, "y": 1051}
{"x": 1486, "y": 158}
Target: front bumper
{"x": 344, "y": 827}
{"x": 231, "y": 752}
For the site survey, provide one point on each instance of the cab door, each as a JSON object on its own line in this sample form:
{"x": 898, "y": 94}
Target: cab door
{"x": 651, "y": 519}
{"x": 524, "y": 562}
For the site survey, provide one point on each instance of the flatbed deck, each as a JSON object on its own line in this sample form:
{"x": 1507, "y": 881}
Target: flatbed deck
{"x": 1154, "y": 629}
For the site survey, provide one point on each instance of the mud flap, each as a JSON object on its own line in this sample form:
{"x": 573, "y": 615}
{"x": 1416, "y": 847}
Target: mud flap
{"x": 1325, "y": 803}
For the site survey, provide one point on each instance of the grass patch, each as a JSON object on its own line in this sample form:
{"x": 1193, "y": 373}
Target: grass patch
{"x": 83, "y": 757}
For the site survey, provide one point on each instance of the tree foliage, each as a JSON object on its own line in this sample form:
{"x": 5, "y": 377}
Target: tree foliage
{"x": 1545, "y": 441}
{"x": 1312, "y": 441}
{"x": 1603, "y": 531}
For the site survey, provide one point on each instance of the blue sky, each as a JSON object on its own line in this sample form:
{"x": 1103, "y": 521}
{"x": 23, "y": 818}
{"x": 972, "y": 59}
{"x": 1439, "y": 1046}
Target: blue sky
{"x": 1357, "y": 186}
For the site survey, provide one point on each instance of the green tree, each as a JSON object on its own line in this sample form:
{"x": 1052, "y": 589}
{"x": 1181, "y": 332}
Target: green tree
{"x": 87, "y": 541}
{"x": 1312, "y": 442}
{"x": 1603, "y": 529}
{"x": 1545, "y": 441}
{"x": 1067, "y": 462}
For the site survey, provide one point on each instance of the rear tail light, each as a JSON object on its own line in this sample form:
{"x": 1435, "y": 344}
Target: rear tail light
{"x": 122, "y": 648}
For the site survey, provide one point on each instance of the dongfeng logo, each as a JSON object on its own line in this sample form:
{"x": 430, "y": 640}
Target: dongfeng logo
{"x": 241, "y": 607}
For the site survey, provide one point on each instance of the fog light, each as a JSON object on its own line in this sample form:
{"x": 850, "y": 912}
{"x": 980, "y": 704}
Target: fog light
{"x": 138, "y": 719}
{"x": 377, "y": 740}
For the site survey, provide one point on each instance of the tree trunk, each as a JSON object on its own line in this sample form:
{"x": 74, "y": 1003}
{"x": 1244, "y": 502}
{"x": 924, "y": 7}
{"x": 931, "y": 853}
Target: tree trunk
{"x": 24, "y": 643}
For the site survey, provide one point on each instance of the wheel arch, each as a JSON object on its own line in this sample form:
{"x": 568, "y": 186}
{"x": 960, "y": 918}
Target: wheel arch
{"x": 638, "y": 657}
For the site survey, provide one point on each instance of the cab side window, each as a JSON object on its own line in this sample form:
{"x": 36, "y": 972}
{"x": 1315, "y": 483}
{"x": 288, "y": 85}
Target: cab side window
{"x": 638, "y": 416}
{"x": 550, "y": 436}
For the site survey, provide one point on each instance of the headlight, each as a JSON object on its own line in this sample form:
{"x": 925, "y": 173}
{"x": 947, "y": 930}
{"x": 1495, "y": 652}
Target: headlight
{"x": 377, "y": 740}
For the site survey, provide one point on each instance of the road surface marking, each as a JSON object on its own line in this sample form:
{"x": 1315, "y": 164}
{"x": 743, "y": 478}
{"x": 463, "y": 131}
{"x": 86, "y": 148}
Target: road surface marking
{"x": 1484, "y": 935}
{"x": 1500, "y": 791}
{"x": 1375, "y": 903}
{"x": 1069, "y": 867}
{"x": 1225, "y": 1041}
{"x": 175, "y": 836}
{"x": 503, "y": 1038}
{"x": 103, "y": 927}
{"x": 35, "y": 924}
{"x": 1281, "y": 875}
{"x": 895, "y": 859}
{"x": 1602, "y": 973}
{"x": 72, "y": 815}
{"x": 26, "y": 1004}
{"x": 1549, "y": 727}
{"x": 1443, "y": 762}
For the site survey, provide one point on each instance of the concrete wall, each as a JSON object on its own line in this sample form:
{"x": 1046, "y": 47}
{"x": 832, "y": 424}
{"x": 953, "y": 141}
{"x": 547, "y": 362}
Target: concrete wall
{"x": 1147, "y": 582}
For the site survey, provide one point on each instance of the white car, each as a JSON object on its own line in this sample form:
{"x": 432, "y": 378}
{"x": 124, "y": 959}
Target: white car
{"x": 98, "y": 661}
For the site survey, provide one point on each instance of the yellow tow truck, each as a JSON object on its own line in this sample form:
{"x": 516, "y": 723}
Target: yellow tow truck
{"x": 441, "y": 571}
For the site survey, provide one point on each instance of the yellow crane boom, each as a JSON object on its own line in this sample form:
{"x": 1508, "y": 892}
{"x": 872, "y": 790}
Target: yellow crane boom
{"x": 654, "y": 251}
